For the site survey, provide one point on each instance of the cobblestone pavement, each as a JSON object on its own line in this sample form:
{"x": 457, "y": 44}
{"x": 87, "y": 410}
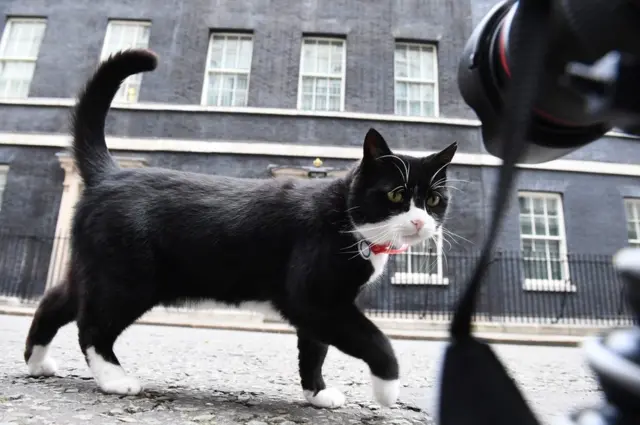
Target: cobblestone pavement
{"x": 197, "y": 376}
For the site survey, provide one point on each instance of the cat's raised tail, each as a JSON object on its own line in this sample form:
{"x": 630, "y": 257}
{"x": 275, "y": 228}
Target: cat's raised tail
{"x": 90, "y": 151}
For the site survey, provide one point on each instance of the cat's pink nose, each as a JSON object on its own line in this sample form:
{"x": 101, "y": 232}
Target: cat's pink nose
{"x": 418, "y": 223}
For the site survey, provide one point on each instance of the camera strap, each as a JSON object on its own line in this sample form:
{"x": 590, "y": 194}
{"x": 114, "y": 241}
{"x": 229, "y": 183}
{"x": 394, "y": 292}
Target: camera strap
{"x": 527, "y": 47}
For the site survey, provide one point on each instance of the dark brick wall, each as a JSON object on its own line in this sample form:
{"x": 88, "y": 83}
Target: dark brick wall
{"x": 179, "y": 34}
{"x": 246, "y": 127}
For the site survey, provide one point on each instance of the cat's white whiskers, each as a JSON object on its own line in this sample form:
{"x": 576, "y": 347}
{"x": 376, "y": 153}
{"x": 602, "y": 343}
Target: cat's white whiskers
{"x": 377, "y": 239}
{"x": 382, "y": 226}
{"x": 455, "y": 235}
{"x": 436, "y": 173}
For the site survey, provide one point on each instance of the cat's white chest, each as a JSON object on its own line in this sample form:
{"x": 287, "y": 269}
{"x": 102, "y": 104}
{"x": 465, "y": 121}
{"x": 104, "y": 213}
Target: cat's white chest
{"x": 378, "y": 261}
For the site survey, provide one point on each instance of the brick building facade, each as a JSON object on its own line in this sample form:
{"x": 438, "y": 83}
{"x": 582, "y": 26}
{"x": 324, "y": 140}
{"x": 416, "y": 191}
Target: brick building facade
{"x": 244, "y": 85}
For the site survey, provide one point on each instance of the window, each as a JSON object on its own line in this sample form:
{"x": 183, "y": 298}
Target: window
{"x": 542, "y": 241}
{"x": 226, "y": 79}
{"x": 632, "y": 207}
{"x": 19, "y": 50}
{"x": 4, "y": 170}
{"x": 322, "y": 69}
{"x": 421, "y": 265}
{"x": 123, "y": 35}
{"x": 416, "y": 78}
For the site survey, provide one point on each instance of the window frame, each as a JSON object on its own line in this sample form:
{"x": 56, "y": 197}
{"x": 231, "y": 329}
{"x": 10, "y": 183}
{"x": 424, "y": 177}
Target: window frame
{"x": 635, "y": 204}
{"x": 104, "y": 54}
{"x": 435, "y": 82}
{"x": 548, "y": 285}
{"x": 233, "y": 71}
{"x": 343, "y": 74}
{"x": 4, "y": 40}
{"x": 410, "y": 278}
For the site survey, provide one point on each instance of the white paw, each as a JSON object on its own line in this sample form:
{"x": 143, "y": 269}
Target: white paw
{"x": 385, "y": 392}
{"x": 329, "y": 398}
{"x": 39, "y": 363}
{"x": 44, "y": 367}
{"x": 123, "y": 386}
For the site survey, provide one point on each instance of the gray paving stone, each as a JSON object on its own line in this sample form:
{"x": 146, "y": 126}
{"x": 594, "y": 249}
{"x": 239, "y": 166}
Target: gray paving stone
{"x": 197, "y": 376}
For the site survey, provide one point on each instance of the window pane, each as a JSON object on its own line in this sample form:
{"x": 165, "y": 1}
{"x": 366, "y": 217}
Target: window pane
{"x": 554, "y": 228}
{"x": 525, "y": 205}
{"x": 540, "y": 248}
{"x": 427, "y": 92}
{"x": 242, "y": 82}
{"x": 15, "y": 78}
{"x": 428, "y": 65}
{"x": 230, "y": 57}
{"x": 307, "y": 101}
{"x": 334, "y": 87}
{"x": 525, "y": 225}
{"x": 321, "y": 103}
{"x": 307, "y": 84}
{"x": 631, "y": 230}
{"x": 401, "y": 107}
{"x": 538, "y": 206}
{"x": 322, "y": 87}
{"x": 552, "y": 207}
{"x": 240, "y": 98}
{"x": 309, "y": 58}
{"x": 23, "y": 39}
{"x": 556, "y": 270}
{"x": 553, "y": 247}
{"x": 414, "y": 108}
{"x": 413, "y": 57}
{"x": 334, "y": 103}
{"x": 539, "y": 225}
{"x": 336, "y": 58}
{"x": 246, "y": 52}
{"x": 323, "y": 57}
{"x": 215, "y": 60}
{"x": 401, "y": 91}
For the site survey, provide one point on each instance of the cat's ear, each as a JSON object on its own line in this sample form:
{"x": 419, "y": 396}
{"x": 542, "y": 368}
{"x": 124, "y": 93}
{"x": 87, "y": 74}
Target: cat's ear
{"x": 375, "y": 146}
{"x": 444, "y": 157}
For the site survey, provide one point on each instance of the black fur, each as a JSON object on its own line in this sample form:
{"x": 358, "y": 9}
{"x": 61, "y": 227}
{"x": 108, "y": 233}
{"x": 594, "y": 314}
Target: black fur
{"x": 144, "y": 237}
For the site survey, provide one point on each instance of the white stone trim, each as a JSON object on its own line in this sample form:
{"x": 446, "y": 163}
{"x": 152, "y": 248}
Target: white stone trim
{"x": 307, "y": 151}
{"x": 537, "y": 285}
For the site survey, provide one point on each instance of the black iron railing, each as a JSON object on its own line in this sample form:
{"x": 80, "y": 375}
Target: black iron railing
{"x": 573, "y": 289}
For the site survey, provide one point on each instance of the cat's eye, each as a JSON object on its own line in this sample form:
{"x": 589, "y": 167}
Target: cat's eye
{"x": 433, "y": 201}
{"x": 396, "y": 195}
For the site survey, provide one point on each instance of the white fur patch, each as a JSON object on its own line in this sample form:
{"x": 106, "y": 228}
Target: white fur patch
{"x": 329, "y": 398}
{"x": 264, "y": 307}
{"x": 385, "y": 392}
{"x": 111, "y": 378}
{"x": 378, "y": 262}
{"x": 40, "y": 364}
{"x": 399, "y": 229}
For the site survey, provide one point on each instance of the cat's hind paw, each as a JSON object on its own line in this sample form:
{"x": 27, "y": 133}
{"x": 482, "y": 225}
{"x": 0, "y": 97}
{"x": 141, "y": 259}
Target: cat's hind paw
{"x": 385, "y": 392}
{"x": 329, "y": 398}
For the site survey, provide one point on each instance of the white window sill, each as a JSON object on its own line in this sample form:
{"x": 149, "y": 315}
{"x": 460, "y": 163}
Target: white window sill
{"x": 402, "y": 278}
{"x": 549, "y": 286}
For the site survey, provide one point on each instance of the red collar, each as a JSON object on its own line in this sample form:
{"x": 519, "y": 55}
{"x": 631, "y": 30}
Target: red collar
{"x": 386, "y": 249}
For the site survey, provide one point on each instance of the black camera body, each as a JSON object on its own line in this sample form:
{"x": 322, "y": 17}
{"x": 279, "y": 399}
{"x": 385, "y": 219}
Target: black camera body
{"x": 575, "y": 66}
{"x": 580, "y": 101}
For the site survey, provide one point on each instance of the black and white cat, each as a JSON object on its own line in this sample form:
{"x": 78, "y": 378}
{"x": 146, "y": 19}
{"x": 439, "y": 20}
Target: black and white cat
{"x": 147, "y": 237}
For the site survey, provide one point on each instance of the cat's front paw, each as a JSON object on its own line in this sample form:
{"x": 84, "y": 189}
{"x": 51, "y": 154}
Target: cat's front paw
{"x": 385, "y": 392}
{"x": 329, "y": 398}
{"x": 125, "y": 385}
